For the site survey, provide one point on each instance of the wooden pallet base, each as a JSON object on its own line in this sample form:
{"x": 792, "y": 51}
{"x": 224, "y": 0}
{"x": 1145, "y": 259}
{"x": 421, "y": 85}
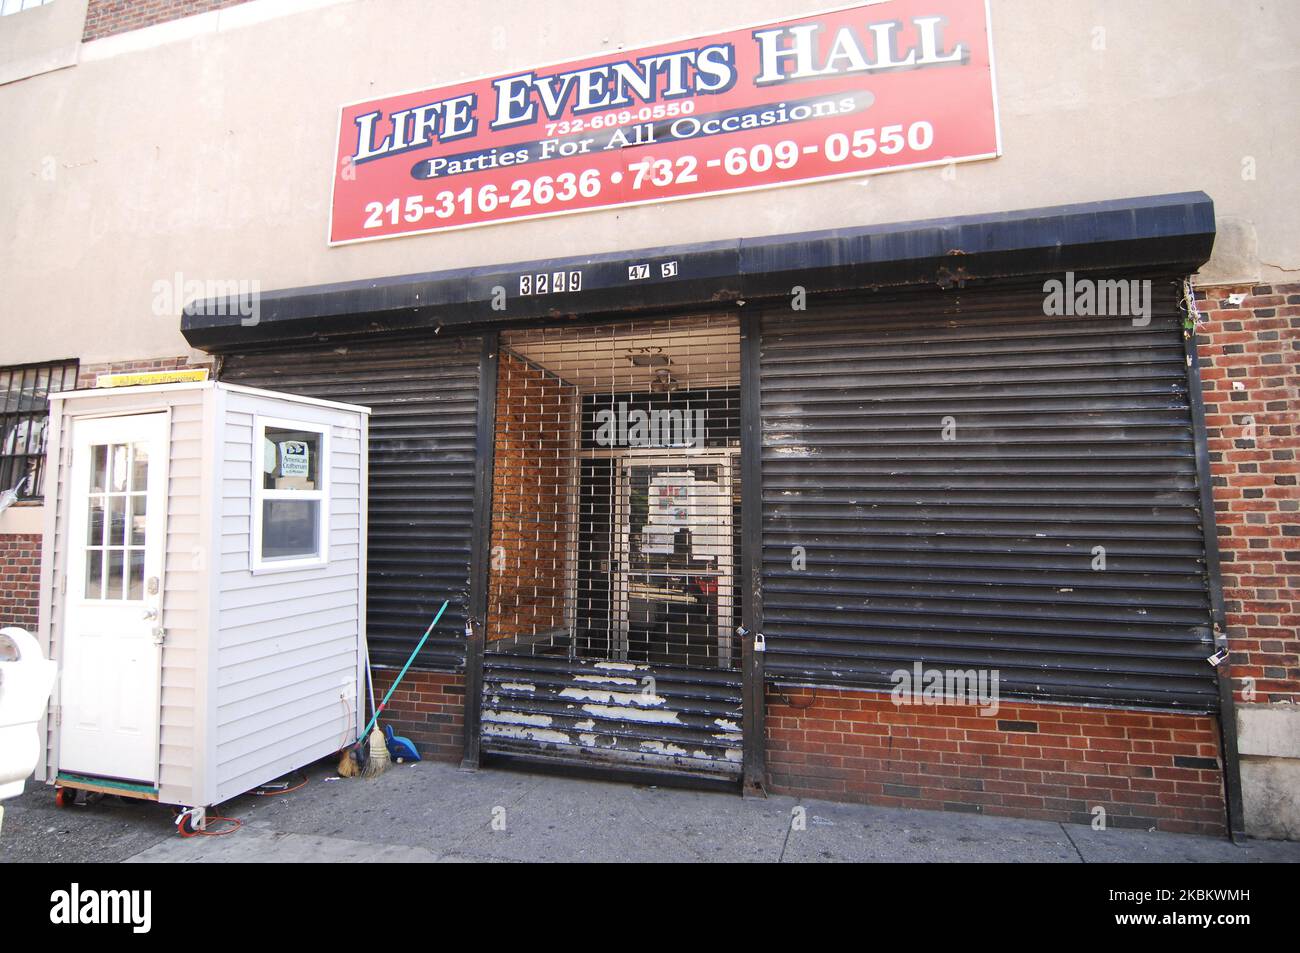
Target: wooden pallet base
{"x": 106, "y": 786}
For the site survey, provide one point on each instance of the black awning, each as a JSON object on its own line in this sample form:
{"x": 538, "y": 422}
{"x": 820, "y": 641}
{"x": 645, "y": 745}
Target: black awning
{"x": 1164, "y": 232}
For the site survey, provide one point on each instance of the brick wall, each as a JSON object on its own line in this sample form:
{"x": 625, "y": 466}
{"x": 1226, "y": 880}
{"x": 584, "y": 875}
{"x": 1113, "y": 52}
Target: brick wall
{"x": 106, "y": 17}
{"x": 88, "y": 373}
{"x": 1047, "y": 762}
{"x": 428, "y": 708}
{"x": 532, "y": 474}
{"x": 1248, "y": 353}
{"x": 20, "y": 573}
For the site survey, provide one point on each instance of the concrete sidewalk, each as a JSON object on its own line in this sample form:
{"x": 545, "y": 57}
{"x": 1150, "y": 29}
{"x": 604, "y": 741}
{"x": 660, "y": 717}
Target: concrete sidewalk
{"x": 435, "y": 812}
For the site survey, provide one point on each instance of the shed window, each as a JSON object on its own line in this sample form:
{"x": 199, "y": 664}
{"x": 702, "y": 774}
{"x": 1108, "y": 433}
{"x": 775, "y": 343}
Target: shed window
{"x": 24, "y": 417}
{"x": 290, "y": 512}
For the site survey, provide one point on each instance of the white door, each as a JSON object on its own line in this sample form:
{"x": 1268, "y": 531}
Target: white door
{"x": 112, "y": 639}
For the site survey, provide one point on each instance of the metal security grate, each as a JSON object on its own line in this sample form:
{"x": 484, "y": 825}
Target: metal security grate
{"x": 24, "y": 419}
{"x": 616, "y": 491}
{"x": 956, "y": 481}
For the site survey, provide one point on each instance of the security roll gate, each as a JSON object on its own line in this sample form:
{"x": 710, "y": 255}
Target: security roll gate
{"x": 612, "y": 713}
{"x": 958, "y": 480}
{"x": 612, "y": 583}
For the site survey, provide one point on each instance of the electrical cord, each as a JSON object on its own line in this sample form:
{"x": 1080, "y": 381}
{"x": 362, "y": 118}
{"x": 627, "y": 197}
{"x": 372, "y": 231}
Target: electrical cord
{"x": 234, "y": 823}
{"x": 347, "y": 726}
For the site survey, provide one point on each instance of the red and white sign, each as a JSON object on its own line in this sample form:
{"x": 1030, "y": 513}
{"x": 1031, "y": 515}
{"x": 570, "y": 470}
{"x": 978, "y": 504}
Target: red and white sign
{"x": 876, "y": 87}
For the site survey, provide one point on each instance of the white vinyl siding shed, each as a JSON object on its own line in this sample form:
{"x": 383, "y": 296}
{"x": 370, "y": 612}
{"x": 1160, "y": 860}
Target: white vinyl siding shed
{"x": 261, "y": 671}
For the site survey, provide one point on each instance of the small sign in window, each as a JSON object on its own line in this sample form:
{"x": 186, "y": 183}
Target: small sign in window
{"x": 294, "y": 456}
{"x": 291, "y": 505}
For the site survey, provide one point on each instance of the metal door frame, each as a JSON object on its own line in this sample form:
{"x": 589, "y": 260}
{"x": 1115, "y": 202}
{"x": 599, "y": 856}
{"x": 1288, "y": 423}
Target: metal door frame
{"x": 752, "y": 642}
{"x": 723, "y": 457}
{"x": 745, "y": 456}
{"x": 480, "y": 544}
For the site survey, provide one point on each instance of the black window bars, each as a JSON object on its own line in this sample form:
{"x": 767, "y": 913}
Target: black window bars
{"x": 24, "y": 421}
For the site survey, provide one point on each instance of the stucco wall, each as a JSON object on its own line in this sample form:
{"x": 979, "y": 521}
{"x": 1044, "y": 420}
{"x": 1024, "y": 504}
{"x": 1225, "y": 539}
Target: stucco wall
{"x": 40, "y": 39}
{"x": 210, "y": 155}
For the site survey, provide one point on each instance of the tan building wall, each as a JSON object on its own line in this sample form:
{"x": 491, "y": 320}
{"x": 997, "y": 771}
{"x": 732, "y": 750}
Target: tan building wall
{"x": 209, "y": 154}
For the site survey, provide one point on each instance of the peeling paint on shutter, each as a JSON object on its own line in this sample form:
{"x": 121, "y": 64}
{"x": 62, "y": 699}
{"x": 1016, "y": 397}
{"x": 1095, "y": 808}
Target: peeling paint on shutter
{"x": 657, "y": 717}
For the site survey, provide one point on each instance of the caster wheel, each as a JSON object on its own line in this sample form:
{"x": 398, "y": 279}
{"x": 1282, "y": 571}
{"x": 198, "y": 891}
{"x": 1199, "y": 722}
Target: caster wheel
{"x": 65, "y": 797}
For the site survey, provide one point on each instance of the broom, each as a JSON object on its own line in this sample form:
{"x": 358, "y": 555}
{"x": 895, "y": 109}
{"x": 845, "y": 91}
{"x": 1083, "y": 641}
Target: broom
{"x": 353, "y": 759}
{"x": 377, "y": 762}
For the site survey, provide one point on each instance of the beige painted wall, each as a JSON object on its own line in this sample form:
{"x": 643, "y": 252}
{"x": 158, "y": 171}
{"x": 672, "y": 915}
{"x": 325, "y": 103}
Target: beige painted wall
{"x": 210, "y": 155}
{"x": 41, "y": 39}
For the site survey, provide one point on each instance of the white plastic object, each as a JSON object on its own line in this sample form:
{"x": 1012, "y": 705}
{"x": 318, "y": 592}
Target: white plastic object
{"x": 25, "y": 686}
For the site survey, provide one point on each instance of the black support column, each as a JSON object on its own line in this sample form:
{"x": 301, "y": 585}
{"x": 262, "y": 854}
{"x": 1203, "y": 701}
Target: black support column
{"x": 754, "y": 720}
{"x": 480, "y": 551}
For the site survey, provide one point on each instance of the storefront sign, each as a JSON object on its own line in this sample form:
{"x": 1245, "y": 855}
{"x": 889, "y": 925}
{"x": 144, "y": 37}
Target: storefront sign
{"x": 876, "y": 87}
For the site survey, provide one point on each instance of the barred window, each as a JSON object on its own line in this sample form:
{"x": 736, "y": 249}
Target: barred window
{"x": 24, "y": 420}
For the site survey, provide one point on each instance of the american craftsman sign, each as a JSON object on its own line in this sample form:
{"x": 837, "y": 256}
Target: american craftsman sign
{"x": 888, "y": 85}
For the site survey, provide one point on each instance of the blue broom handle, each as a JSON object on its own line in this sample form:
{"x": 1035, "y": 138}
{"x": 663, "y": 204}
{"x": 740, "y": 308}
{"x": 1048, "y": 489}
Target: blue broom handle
{"x": 375, "y": 717}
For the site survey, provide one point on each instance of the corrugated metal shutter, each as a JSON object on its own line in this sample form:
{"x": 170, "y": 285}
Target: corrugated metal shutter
{"x": 661, "y": 717}
{"x": 1073, "y": 439}
{"x": 424, "y": 398}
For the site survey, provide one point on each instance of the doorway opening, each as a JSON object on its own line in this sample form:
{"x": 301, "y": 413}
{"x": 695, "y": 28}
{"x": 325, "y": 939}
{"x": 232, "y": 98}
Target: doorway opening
{"x": 616, "y": 493}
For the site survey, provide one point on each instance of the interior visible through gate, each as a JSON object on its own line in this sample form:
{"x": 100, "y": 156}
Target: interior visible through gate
{"x": 616, "y": 493}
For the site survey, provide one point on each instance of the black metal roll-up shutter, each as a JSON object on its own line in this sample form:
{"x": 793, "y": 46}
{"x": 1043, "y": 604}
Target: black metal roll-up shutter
{"x": 424, "y": 401}
{"x": 972, "y": 484}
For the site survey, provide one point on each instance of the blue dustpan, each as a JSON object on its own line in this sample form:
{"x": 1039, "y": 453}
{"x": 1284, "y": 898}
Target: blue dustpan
{"x": 399, "y": 748}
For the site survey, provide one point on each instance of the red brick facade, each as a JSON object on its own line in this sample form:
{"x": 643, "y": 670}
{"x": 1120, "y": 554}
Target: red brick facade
{"x": 88, "y": 373}
{"x": 428, "y": 708}
{"x": 533, "y": 468}
{"x": 20, "y": 574}
{"x": 106, "y": 17}
{"x": 1248, "y": 351}
{"x": 1048, "y": 762}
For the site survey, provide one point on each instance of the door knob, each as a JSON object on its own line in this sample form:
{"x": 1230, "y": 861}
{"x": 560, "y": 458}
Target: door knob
{"x": 150, "y": 614}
